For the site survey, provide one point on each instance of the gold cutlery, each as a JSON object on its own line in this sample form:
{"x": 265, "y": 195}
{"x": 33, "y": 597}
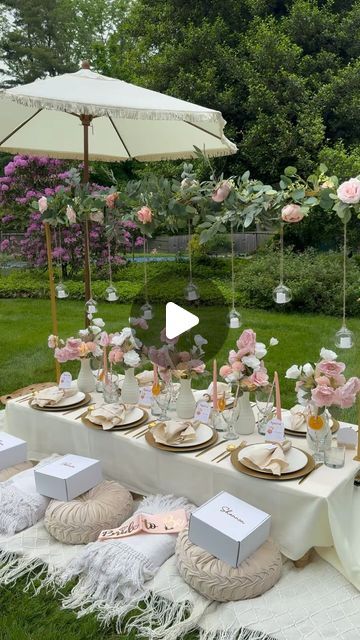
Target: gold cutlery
{"x": 85, "y": 413}
{"x": 317, "y": 466}
{"x": 28, "y": 397}
{"x": 229, "y": 449}
{"x": 212, "y": 446}
{"x": 148, "y": 427}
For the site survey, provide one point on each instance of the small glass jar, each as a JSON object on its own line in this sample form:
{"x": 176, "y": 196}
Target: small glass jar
{"x": 318, "y": 433}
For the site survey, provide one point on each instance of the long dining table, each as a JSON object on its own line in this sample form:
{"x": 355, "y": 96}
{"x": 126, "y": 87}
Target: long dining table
{"x": 322, "y": 512}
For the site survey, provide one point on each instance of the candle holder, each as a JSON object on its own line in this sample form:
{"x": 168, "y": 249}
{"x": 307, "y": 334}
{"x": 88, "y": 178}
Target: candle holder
{"x": 282, "y": 294}
{"x": 90, "y": 308}
{"x": 147, "y": 311}
{"x": 111, "y": 293}
{"x": 191, "y": 292}
{"x": 234, "y": 319}
{"x": 61, "y": 291}
{"x": 344, "y": 338}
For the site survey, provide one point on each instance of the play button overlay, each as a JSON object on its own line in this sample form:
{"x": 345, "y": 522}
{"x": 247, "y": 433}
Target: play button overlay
{"x": 178, "y": 320}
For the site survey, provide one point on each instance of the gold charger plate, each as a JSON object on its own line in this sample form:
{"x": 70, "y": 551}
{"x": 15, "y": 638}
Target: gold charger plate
{"x": 310, "y": 465}
{"x": 302, "y": 434}
{"x": 70, "y": 407}
{"x": 197, "y": 447}
{"x": 125, "y": 427}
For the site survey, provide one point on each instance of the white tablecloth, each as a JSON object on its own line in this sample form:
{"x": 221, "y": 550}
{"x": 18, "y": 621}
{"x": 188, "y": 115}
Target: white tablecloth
{"x": 323, "y": 511}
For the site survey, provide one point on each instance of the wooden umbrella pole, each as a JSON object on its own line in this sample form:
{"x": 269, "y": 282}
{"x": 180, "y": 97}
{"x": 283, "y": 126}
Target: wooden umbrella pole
{"x": 86, "y": 121}
{"x": 55, "y": 328}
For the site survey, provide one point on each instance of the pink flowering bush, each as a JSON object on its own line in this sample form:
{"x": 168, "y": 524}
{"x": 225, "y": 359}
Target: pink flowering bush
{"x": 245, "y": 365}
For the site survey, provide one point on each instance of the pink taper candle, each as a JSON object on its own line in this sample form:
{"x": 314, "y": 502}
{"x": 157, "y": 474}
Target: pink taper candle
{"x": 156, "y": 376}
{"x": 277, "y": 395}
{"x": 214, "y": 389}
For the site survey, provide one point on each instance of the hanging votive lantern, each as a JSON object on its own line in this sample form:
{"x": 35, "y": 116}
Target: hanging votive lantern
{"x": 61, "y": 291}
{"x": 282, "y": 294}
{"x": 234, "y": 319}
{"x": 344, "y": 338}
{"x": 191, "y": 292}
{"x": 111, "y": 293}
{"x": 147, "y": 311}
{"x": 90, "y": 308}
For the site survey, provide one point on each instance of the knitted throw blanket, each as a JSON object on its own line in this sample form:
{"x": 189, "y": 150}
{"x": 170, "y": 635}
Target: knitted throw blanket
{"x": 119, "y": 568}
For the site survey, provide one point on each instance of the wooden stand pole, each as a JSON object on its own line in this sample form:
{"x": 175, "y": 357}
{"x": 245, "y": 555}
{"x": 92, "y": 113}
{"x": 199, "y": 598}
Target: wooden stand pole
{"x": 55, "y": 328}
{"x": 86, "y": 121}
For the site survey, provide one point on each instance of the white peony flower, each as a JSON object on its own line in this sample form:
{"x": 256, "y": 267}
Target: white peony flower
{"x": 99, "y": 322}
{"x": 260, "y": 350}
{"x": 327, "y": 354}
{"x": 308, "y": 369}
{"x": 273, "y": 342}
{"x": 252, "y": 362}
{"x": 131, "y": 358}
{"x": 293, "y": 372}
{"x": 83, "y": 333}
{"x": 95, "y": 330}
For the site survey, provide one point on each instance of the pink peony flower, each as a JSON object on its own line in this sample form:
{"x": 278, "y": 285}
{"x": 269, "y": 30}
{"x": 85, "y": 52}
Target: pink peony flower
{"x": 322, "y": 395}
{"x": 233, "y": 356}
{"x": 225, "y": 370}
{"x": 292, "y": 213}
{"x": 97, "y": 216}
{"x": 43, "y": 204}
{"x": 116, "y": 355}
{"x": 144, "y": 215}
{"x": 349, "y": 191}
{"x": 246, "y": 343}
{"x": 70, "y": 214}
{"x": 323, "y": 380}
{"x": 111, "y": 199}
{"x": 330, "y": 368}
{"x": 238, "y": 366}
{"x": 221, "y": 192}
{"x": 259, "y": 378}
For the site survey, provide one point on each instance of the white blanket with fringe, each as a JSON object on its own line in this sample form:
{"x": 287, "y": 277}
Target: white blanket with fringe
{"x": 314, "y": 603}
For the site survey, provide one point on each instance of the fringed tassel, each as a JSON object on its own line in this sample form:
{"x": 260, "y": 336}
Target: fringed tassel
{"x": 13, "y": 567}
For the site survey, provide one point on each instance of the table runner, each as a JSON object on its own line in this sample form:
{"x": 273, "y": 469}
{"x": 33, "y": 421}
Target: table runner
{"x": 320, "y": 512}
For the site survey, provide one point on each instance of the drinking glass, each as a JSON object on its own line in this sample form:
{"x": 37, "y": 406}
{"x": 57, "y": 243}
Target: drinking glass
{"x": 110, "y": 390}
{"x": 334, "y": 457}
{"x": 228, "y": 417}
{"x": 161, "y": 403}
{"x": 264, "y": 397}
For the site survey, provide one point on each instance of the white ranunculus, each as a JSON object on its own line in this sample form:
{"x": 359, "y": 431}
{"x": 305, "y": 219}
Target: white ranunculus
{"x": 116, "y": 341}
{"x": 273, "y": 342}
{"x": 308, "y": 369}
{"x": 327, "y": 354}
{"x": 131, "y": 358}
{"x": 252, "y": 362}
{"x": 302, "y": 397}
{"x": 99, "y": 322}
{"x": 293, "y": 372}
{"x": 260, "y": 350}
{"x": 83, "y": 333}
{"x": 95, "y": 330}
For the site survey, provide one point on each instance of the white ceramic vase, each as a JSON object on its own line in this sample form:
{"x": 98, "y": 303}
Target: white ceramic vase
{"x": 243, "y": 416}
{"x": 130, "y": 387}
{"x": 86, "y": 380}
{"x": 185, "y": 403}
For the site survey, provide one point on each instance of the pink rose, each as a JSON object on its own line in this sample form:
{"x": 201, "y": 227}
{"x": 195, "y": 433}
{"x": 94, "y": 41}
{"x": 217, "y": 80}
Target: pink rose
{"x": 292, "y": 213}
{"x": 97, "y": 216}
{"x": 259, "y": 378}
{"x": 116, "y": 355}
{"x": 246, "y": 343}
{"x": 111, "y": 199}
{"x": 199, "y": 368}
{"x": 43, "y": 204}
{"x": 238, "y": 366}
{"x": 349, "y": 191}
{"x": 322, "y": 395}
{"x": 221, "y": 192}
{"x": 330, "y": 368}
{"x": 323, "y": 380}
{"x": 225, "y": 371}
{"x": 343, "y": 399}
{"x": 144, "y": 215}
{"x": 70, "y": 214}
{"x": 139, "y": 322}
{"x": 63, "y": 355}
{"x": 233, "y": 357}
{"x": 352, "y": 385}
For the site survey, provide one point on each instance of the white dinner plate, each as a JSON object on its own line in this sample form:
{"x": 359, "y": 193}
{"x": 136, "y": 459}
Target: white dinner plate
{"x": 203, "y": 434}
{"x": 68, "y": 402}
{"x": 295, "y": 458}
{"x": 133, "y": 416}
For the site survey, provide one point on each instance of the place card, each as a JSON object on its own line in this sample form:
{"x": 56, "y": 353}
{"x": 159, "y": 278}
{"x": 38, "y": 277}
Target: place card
{"x": 202, "y": 411}
{"x": 146, "y": 397}
{"x": 275, "y": 431}
{"x": 65, "y": 380}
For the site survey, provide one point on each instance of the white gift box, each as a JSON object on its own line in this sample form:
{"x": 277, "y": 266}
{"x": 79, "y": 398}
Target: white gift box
{"x": 12, "y": 450}
{"x": 228, "y": 528}
{"x": 68, "y": 477}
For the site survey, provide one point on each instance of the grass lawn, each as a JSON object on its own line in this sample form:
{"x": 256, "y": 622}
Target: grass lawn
{"x": 25, "y": 358}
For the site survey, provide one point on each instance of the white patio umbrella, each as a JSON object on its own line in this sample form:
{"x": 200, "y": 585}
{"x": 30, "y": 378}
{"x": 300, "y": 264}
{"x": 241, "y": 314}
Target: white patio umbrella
{"x": 126, "y": 121}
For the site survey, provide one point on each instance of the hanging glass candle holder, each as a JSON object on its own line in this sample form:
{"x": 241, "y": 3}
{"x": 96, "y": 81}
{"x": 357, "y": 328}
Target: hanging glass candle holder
{"x": 90, "y": 308}
{"x": 234, "y": 319}
{"x": 344, "y": 338}
{"x": 111, "y": 293}
{"x": 282, "y": 294}
{"x": 147, "y": 311}
{"x": 61, "y": 291}
{"x": 191, "y": 292}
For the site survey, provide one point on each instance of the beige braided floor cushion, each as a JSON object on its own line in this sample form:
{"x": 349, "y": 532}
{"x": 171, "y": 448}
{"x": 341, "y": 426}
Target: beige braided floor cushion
{"x": 5, "y": 474}
{"x": 216, "y": 580}
{"x": 81, "y": 520}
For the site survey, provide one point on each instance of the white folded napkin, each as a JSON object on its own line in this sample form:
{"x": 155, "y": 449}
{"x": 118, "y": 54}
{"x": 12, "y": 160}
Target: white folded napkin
{"x": 268, "y": 456}
{"x": 145, "y": 378}
{"x": 296, "y": 419}
{"x": 175, "y": 432}
{"x": 51, "y": 396}
{"x": 109, "y": 415}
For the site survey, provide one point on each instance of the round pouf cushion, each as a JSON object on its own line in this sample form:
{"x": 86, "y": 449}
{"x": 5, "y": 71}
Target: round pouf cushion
{"x": 5, "y": 474}
{"x": 81, "y": 520}
{"x": 216, "y": 580}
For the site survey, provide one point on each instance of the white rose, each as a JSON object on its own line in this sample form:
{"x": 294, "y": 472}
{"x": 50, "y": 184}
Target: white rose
{"x": 83, "y": 333}
{"x": 293, "y": 372}
{"x": 98, "y": 322}
{"x": 116, "y": 341}
{"x": 252, "y": 362}
{"x": 273, "y": 342}
{"x": 302, "y": 397}
{"x": 327, "y": 354}
{"x": 308, "y": 369}
{"x": 131, "y": 358}
{"x": 125, "y": 334}
{"x": 95, "y": 330}
{"x": 260, "y": 350}
{"x": 233, "y": 377}
{"x": 97, "y": 353}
